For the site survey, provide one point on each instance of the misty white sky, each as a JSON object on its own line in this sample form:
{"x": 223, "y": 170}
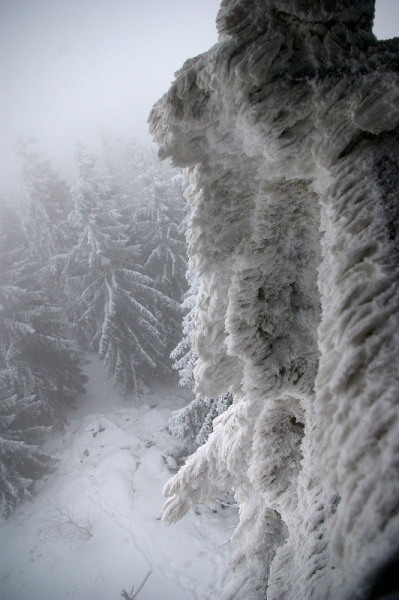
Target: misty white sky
{"x": 71, "y": 67}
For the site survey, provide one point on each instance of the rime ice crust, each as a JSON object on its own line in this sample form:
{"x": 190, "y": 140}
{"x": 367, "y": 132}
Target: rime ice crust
{"x": 288, "y": 130}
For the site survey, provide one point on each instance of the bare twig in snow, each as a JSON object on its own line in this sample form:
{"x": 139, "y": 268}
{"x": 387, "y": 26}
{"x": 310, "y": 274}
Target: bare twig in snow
{"x": 130, "y": 596}
{"x": 62, "y": 523}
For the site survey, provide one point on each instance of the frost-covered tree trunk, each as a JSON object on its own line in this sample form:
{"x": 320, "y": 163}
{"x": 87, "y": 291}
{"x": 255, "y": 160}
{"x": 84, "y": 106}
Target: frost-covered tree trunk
{"x": 288, "y": 131}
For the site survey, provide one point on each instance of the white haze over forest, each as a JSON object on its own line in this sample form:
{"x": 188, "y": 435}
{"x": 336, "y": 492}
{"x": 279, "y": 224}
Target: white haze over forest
{"x": 69, "y": 69}
{"x": 72, "y": 68}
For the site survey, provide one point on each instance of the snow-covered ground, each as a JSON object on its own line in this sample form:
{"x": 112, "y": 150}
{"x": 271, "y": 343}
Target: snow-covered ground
{"x": 94, "y": 528}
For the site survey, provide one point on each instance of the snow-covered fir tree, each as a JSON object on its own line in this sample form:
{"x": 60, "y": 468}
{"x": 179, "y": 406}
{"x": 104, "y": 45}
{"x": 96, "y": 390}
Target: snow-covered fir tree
{"x": 193, "y": 423}
{"x": 288, "y": 129}
{"x": 151, "y": 193}
{"x": 116, "y": 308}
{"x": 40, "y": 374}
{"x": 34, "y": 346}
{"x": 46, "y": 203}
{"x": 158, "y": 222}
{"x": 159, "y": 219}
{"x": 22, "y": 460}
{"x": 185, "y": 354}
{"x": 40, "y": 362}
{"x": 126, "y": 160}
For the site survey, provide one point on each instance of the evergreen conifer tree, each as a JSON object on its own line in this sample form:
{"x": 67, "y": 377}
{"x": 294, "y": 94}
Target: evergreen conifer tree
{"x": 40, "y": 372}
{"x": 116, "y": 307}
{"x": 45, "y": 205}
{"x": 160, "y": 218}
{"x": 194, "y": 422}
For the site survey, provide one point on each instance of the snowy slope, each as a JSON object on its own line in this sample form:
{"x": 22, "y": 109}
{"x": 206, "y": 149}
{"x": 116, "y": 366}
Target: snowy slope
{"x": 113, "y": 463}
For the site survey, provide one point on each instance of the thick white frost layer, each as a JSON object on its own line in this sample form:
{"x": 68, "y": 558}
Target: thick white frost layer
{"x": 287, "y": 128}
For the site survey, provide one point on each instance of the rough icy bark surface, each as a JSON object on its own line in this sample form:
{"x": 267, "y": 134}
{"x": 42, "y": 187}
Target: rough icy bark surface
{"x": 288, "y": 129}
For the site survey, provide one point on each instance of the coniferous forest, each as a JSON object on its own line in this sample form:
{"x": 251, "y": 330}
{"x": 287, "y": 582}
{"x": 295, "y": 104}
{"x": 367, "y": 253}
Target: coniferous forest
{"x": 96, "y": 267}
